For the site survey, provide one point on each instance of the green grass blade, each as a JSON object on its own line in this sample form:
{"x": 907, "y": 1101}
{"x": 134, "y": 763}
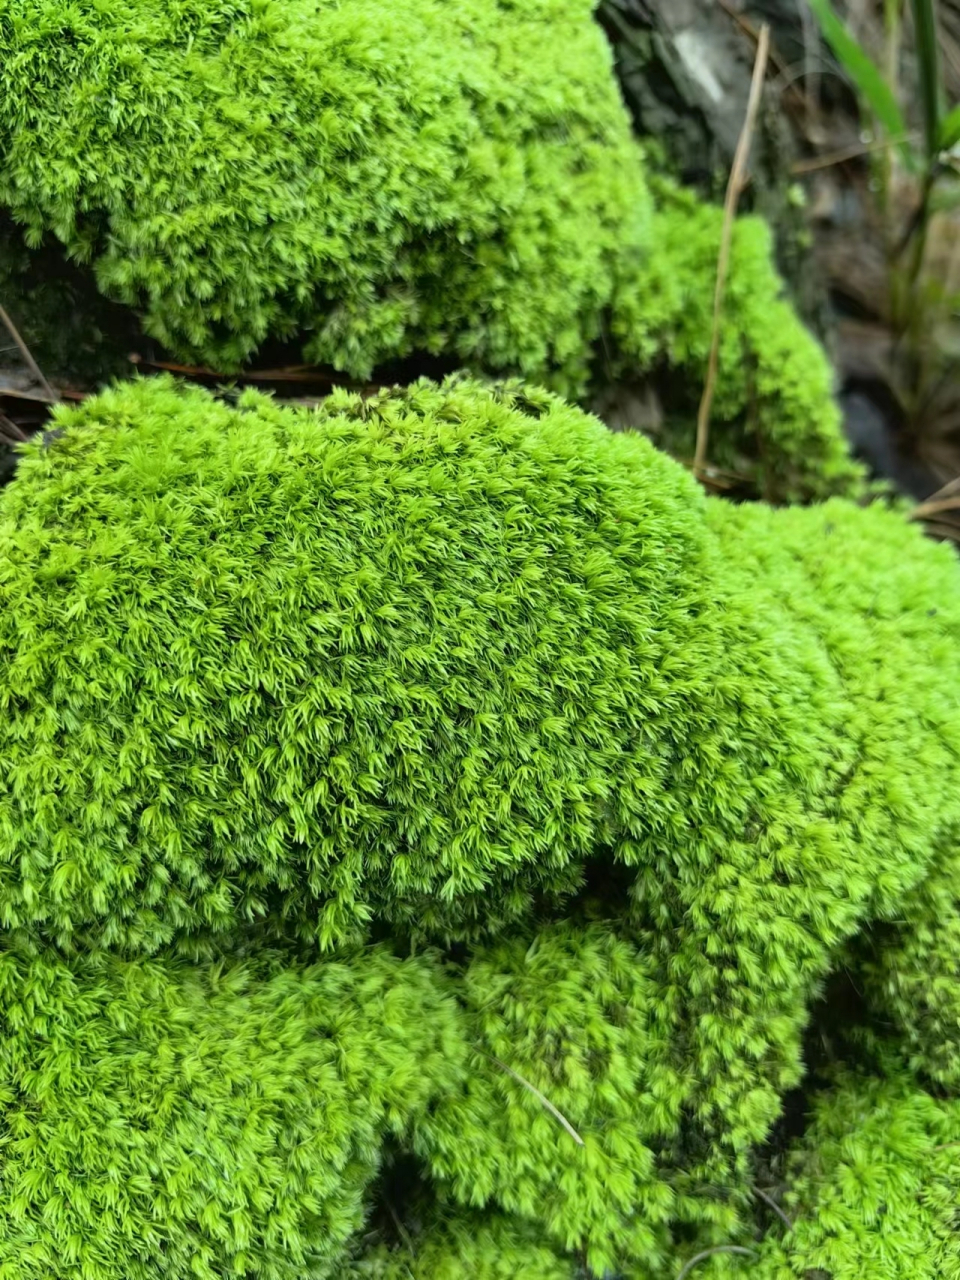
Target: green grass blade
{"x": 948, "y": 134}
{"x": 862, "y": 70}
{"x": 928, "y": 70}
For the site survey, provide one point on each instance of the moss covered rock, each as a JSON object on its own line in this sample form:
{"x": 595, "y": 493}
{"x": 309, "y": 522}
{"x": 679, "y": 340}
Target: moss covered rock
{"x": 377, "y": 180}
{"x": 607, "y": 1165}
{"x": 774, "y": 418}
{"x": 450, "y": 666}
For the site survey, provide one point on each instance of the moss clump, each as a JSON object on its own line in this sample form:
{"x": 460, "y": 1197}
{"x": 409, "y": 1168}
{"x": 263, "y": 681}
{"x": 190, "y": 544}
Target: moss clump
{"x": 387, "y": 658}
{"x": 224, "y": 1121}
{"x": 450, "y": 666}
{"x": 575, "y": 1015}
{"x": 452, "y": 1247}
{"x": 380, "y": 180}
{"x": 910, "y": 972}
{"x": 776, "y": 418}
{"x": 873, "y": 1186}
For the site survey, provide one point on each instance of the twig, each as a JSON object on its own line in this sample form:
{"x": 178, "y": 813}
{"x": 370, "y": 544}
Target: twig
{"x": 769, "y": 1200}
{"x": 712, "y": 1253}
{"x": 541, "y": 1098}
{"x": 10, "y": 429}
{"x": 945, "y": 499}
{"x": 296, "y": 373}
{"x": 749, "y": 29}
{"x": 852, "y": 152}
{"x": 31, "y": 363}
{"x": 734, "y": 187}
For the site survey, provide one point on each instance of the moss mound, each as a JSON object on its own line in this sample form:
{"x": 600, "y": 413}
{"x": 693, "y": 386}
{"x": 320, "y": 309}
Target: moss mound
{"x": 457, "y": 179}
{"x": 874, "y": 1186}
{"x": 386, "y": 178}
{"x": 385, "y": 658}
{"x": 453, "y": 668}
{"x": 205, "y": 1122}
{"x": 450, "y": 1247}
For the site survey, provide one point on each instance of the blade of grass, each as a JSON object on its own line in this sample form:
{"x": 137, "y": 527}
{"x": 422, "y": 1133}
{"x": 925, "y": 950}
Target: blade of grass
{"x": 949, "y": 134}
{"x": 863, "y": 71}
{"x": 852, "y": 152}
{"x": 928, "y": 69}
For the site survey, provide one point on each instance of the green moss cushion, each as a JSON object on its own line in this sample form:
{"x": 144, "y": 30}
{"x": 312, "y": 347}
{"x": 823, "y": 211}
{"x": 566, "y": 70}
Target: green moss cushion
{"x": 874, "y": 1186}
{"x": 423, "y": 175}
{"x": 164, "y": 1121}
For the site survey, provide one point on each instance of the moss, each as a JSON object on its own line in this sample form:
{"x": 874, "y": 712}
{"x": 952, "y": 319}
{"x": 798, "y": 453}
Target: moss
{"x": 347, "y": 652}
{"x": 451, "y": 1247}
{"x": 910, "y": 972}
{"x": 873, "y": 1186}
{"x": 450, "y": 665}
{"x": 202, "y": 1122}
{"x": 379, "y": 180}
{"x": 575, "y": 1016}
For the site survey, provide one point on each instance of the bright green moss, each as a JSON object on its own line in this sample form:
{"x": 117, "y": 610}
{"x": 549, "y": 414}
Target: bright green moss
{"x": 171, "y": 1122}
{"x": 853, "y": 788}
{"x": 382, "y": 178}
{"x": 413, "y": 657}
{"x": 867, "y": 615}
{"x": 875, "y": 1188}
{"x": 481, "y": 1247}
{"x": 774, "y": 415}
{"x": 450, "y": 663}
{"x": 574, "y": 1016}
{"x": 835, "y": 605}
{"x": 911, "y": 972}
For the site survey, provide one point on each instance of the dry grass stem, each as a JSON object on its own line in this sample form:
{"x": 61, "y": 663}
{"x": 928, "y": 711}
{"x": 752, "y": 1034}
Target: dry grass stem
{"x": 945, "y": 499}
{"x": 853, "y": 152}
{"x": 712, "y": 1253}
{"x": 769, "y": 1200}
{"x": 734, "y": 188}
{"x": 541, "y": 1098}
{"x": 28, "y": 358}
